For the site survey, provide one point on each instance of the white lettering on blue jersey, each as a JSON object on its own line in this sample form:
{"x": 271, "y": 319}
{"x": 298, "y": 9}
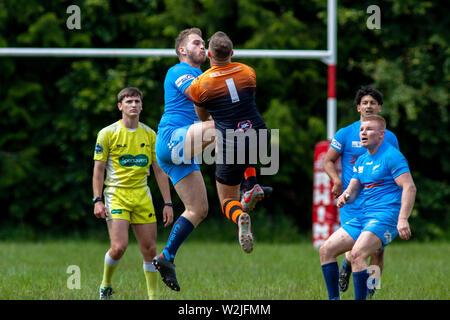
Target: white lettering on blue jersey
{"x": 336, "y": 144}
{"x": 182, "y": 80}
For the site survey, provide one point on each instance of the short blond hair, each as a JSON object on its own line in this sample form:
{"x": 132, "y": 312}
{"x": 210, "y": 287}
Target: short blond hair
{"x": 377, "y": 118}
{"x": 183, "y": 35}
{"x": 220, "y": 46}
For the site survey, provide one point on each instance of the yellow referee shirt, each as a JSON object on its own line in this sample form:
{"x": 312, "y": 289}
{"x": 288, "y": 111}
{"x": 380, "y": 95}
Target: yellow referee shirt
{"x": 128, "y": 154}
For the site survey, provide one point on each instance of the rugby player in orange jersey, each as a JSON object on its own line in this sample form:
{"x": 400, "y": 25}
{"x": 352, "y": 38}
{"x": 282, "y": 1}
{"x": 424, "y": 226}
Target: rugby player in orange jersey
{"x": 226, "y": 92}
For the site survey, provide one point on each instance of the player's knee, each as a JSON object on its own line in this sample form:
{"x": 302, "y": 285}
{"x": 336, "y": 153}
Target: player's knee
{"x": 117, "y": 250}
{"x": 149, "y": 250}
{"x": 357, "y": 256}
{"x": 202, "y": 211}
{"x": 325, "y": 251}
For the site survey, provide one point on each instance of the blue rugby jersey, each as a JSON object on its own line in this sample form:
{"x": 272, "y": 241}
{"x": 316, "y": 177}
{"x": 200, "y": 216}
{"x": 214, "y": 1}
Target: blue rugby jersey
{"x": 347, "y": 142}
{"x": 377, "y": 173}
{"x": 178, "y": 109}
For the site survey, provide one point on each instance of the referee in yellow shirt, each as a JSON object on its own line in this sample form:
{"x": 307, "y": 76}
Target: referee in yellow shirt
{"x": 126, "y": 149}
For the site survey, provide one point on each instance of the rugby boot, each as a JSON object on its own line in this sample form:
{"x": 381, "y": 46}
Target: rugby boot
{"x": 167, "y": 271}
{"x": 245, "y": 233}
{"x": 251, "y": 197}
{"x": 267, "y": 190}
{"x": 344, "y": 278}
{"x": 106, "y": 293}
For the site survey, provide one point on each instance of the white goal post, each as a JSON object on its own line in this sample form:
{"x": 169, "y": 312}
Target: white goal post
{"x": 327, "y": 56}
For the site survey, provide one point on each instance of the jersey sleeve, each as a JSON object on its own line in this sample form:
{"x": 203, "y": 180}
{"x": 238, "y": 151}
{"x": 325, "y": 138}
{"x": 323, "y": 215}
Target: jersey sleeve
{"x": 195, "y": 90}
{"x": 101, "y": 151}
{"x": 251, "y": 74}
{"x": 392, "y": 139}
{"x": 338, "y": 141}
{"x": 397, "y": 164}
{"x": 182, "y": 78}
{"x": 153, "y": 142}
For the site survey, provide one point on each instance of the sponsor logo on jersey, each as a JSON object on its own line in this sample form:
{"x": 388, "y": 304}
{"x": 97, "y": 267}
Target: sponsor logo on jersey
{"x": 128, "y": 160}
{"x": 356, "y": 144}
{"x": 375, "y": 167}
{"x": 336, "y": 144}
{"x": 98, "y": 148}
{"x": 183, "y": 79}
{"x": 353, "y": 158}
{"x": 360, "y": 169}
{"x": 369, "y": 163}
{"x": 244, "y": 125}
{"x": 221, "y": 73}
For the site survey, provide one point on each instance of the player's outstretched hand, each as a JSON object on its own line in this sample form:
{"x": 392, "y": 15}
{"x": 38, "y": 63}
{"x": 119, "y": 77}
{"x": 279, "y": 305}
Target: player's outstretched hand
{"x": 403, "y": 229}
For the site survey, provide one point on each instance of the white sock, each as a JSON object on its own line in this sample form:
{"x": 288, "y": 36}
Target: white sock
{"x": 148, "y": 266}
{"x": 110, "y": 261}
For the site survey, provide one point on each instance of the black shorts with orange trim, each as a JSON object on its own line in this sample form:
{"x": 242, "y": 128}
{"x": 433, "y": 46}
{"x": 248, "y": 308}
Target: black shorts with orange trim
{"x": 237, "y": 152}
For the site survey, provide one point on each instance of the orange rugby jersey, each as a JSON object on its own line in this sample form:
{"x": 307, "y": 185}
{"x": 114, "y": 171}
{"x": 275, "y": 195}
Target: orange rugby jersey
{"x": 228, "y": 94}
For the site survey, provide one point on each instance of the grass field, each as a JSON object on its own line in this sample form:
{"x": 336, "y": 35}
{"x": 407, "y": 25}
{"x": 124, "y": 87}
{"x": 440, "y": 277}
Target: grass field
{"x": 214, "y": 271}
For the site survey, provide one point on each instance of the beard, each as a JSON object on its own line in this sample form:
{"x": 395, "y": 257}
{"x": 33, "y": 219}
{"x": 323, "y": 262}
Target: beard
{"x": 196, "y": 58}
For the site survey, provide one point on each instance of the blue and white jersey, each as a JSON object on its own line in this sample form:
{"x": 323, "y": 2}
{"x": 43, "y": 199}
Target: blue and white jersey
{"x": 178, "y": 109}
{"x": 377, "y": 173}
{"x": 348, "y": 144}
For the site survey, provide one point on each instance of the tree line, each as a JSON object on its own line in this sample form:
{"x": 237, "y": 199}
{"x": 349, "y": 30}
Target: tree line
{"x": 52, "y": 108}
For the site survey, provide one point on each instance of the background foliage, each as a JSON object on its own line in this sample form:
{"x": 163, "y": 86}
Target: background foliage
{"x": 52, "y": 108}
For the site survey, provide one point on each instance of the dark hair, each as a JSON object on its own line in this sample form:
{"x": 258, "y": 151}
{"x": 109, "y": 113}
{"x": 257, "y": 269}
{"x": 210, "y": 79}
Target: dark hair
{"x": 129, "y": 92}
{"x": 182, "y": 36}
{"x": 368, "y": 90}
{"x": 220, "y": 46}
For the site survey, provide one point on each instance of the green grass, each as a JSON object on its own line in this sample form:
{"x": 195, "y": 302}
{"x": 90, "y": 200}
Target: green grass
{"x": 217, "y": 271}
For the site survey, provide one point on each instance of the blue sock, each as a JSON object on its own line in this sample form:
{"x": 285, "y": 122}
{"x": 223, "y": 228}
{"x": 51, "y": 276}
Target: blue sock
{"x": 180, "y": 231}
{"x": 347, "y": 267}
{"x": 331, "y": 274}
{"x": 360, "y": 284}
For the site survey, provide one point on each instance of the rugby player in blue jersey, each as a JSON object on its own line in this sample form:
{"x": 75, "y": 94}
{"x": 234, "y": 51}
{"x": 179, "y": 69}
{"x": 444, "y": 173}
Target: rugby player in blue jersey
{"x": 346, "y": 145}
{"x": 384, "y": 176}
{"x": 178, "y": 129}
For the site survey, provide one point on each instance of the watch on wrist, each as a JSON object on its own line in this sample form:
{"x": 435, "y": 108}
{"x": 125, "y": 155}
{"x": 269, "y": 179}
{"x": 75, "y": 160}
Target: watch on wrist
{"x": 97, "y": 199}
{"x": 169, "y": 204}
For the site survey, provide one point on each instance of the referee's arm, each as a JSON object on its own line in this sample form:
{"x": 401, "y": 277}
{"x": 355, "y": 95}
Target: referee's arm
{"x": 163, "y": 183}
{"x": 100, "y": 210}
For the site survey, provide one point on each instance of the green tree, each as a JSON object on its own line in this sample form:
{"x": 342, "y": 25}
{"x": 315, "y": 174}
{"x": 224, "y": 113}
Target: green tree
{"x": 54, "y": 107}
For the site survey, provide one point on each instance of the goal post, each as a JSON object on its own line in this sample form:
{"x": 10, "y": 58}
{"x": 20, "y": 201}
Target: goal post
{"x": 327, "y": 56}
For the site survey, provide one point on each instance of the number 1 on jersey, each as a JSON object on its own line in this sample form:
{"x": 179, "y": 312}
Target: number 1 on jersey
{"x": 232, "y": 89}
